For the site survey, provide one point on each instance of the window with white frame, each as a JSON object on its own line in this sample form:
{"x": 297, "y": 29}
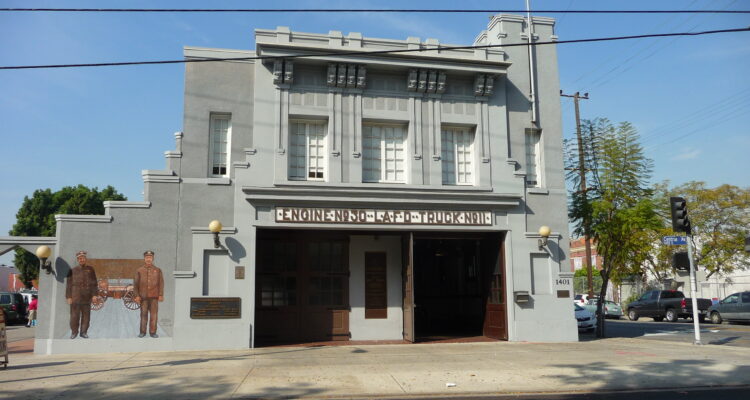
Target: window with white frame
{"x": 457, "y": 155}
{"x": 220, "y": 132}
{"x": 533, "y": 157}
{"x": 384, "y": 153}
{"x": 307, "y": 144}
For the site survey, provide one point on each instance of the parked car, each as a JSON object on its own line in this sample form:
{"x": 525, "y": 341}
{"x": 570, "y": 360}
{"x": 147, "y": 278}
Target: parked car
{"x": 611, "y": 309}
{"x": 735, "y": 307}
{"x": 666, "y": 304}
{"x": 14, "y": 306}
{"x": 582, "y": 299}
{"x": 586, "y": 319}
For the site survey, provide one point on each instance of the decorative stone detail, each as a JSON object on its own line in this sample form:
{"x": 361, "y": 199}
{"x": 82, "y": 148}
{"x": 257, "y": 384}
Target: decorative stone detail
{"x": 426, "y": 81}
{"x": 346, "y": 76}
{"x": 283, "y": 72}
{"x": 484, "y": 85}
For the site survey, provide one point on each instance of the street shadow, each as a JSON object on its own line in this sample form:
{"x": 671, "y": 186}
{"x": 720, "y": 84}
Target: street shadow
{"x": 41, "y": 365}
{"x": 165, "y": 380}
{"x": 725, "y": 340}
{"x": 626, "y": 375}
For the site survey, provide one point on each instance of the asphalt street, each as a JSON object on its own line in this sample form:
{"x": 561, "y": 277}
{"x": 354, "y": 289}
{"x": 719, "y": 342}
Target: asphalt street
{"x": 726, "y": 334}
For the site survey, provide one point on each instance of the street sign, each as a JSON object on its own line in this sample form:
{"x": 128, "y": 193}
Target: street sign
{"x": 674, "y": 240}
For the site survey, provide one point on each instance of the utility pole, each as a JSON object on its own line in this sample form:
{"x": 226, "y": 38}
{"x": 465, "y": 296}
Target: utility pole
{"x": 583, "y": 189}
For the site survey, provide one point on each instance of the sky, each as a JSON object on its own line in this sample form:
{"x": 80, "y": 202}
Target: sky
{"x": 688, "y": 97}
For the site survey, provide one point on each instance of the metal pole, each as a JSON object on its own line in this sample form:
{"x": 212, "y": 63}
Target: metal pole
{"x": 532, "y": 81}
{"x": 694, "y": 294}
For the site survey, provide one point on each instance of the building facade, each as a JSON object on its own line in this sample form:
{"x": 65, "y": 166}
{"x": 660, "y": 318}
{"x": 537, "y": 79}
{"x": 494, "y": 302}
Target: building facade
{"x": 578, "y": 254}
{"x": 384, "y": 196}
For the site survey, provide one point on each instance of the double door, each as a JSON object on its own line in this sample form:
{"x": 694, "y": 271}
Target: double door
{"x": 492, "y": 273}
{"x": 302, "y": 292}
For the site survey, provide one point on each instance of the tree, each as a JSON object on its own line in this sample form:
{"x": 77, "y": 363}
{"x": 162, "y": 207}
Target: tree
{"x": 36, "y": 217}
{"x": 617, "y": 207}
{"x": 720, "y": 219}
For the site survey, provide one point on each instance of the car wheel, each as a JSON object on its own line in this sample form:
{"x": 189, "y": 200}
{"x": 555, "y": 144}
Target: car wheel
{"x": 716, "y": 318}
{"x": 658, "y": 319}
{"x": 671, "y": 315}
{"x": 633, "y": 315}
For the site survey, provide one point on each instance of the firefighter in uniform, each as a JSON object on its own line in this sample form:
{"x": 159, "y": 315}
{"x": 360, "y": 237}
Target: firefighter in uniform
{"x": 80, "y": 291}
{"x": 149, "y": 292}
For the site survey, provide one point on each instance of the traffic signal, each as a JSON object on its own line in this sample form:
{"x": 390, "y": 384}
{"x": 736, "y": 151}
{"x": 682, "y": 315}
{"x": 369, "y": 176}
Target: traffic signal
{"x": 680, "y": 220}
{"x": 680, "y": 261}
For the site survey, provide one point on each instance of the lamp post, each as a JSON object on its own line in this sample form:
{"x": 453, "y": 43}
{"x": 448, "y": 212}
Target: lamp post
{"x": 544, "y": 232}
{"x": 215, "y": 227}
{"x": 43, "y": 253}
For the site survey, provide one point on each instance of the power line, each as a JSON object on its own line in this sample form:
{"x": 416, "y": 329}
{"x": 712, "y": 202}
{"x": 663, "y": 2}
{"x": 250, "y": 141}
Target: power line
{"x": 376, "y": 52}
{"x": 358, "y": 10}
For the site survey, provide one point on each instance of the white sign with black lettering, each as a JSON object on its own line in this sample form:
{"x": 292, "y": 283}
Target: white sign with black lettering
{"x": 387, "y": 217}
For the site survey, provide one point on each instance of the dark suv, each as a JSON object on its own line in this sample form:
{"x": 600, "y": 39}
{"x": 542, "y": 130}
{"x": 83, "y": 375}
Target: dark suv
{"x": 14, "y": 306}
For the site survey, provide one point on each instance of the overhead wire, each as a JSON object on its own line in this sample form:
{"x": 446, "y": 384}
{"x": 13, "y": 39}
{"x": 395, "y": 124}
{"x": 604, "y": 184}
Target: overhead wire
{"x": 709, "y": 112}
{"x": 659, "y": 46}
{"x": 375, "y": 52}
{"x": 357, "y": 10}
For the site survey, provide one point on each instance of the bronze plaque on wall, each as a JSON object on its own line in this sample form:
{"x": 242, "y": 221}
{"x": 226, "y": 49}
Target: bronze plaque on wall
{"x": 215, "y": 307}
{"x": 239, "y": 272}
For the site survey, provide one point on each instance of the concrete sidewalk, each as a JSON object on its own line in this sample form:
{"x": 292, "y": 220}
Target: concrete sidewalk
{"x": 377, "y": 371}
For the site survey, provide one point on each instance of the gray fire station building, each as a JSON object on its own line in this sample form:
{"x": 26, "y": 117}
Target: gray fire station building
{"x": 390, "y": 196}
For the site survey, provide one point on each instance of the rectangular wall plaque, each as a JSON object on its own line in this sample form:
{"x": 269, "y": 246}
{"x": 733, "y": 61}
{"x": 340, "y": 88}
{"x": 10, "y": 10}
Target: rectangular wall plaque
{"x": 215, "y": 307}
{"x": 563, "y": 294}
{"x": 239, "y": 272}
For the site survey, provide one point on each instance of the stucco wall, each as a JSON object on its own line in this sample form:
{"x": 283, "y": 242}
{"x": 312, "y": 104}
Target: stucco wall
{"x": 390, "y": 328}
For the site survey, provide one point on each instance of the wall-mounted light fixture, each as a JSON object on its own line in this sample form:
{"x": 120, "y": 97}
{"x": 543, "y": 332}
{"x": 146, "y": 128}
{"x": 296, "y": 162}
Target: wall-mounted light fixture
{"x": 544, "y": 232}
{"x": 43, "y": 253}
{"x": 215, "y": 227}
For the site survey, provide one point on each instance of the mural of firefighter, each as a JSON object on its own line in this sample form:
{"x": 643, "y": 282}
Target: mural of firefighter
{"x": 114, "y": 306}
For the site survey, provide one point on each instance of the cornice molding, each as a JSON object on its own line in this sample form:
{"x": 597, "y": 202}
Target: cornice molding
{"x": 83, "y": 218}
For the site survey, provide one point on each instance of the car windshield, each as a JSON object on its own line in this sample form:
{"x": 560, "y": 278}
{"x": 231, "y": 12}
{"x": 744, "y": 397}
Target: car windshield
{"x": 610, "y": 303}
{"x": 578, "y": 308}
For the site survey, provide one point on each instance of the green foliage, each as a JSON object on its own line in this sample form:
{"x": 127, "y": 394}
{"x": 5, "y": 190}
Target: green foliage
{"x": 583, "y": 272}
{"x": 617, "y": 208}
{"x": 36, "y": 217}
{"x": 720, "y": 218}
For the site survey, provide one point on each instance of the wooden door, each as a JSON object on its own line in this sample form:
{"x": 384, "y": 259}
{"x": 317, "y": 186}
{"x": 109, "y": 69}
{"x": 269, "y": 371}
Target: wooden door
{"x": 408, "y": 286}
{"x": 495, "y": 314}
{"x": 376, "y": 284}
{"x": 326, "y": 316}
{"x": 302, "y": 292}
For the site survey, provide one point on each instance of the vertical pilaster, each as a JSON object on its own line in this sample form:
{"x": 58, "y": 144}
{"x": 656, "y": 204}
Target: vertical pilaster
{"x": 281, "y": 129}
{"x": 335, "y": 132}
{"x": 483, "y": 168}
{"x": 416, "y": 135}
{"x": 355, "y": 162}
{"x": 433, "y": 127}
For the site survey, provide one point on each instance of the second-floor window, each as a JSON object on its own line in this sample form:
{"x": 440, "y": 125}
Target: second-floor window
{"x": 307, "y": 159}
{"x": 220, "y": 133}
{"x": 457, "y": 156}
{"x": 383, "y": 153}
{"x": 533, "y": 157}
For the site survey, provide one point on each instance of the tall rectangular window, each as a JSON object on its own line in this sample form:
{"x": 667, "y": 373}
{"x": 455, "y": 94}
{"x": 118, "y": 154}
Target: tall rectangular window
{"x": 383, "y": 153}
{"x": 533, "y": 154}
{"x": 220, "y": 133}
{"x": 457, "y": 156}
{"x": 307, "y": 159}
